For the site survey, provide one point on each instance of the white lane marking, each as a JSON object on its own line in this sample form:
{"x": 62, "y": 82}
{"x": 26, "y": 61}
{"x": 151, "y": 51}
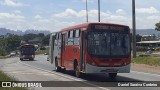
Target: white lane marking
{"x": 65, "y": 76}
{"x": 46, "y": 73}
{"x": 150, "y": 74}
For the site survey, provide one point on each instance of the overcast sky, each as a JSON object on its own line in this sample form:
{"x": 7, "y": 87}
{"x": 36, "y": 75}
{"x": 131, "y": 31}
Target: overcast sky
{"x": 54, "y": 15}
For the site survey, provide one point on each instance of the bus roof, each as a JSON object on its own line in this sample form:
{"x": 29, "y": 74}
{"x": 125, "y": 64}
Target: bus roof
{"x": 86, "y": 24}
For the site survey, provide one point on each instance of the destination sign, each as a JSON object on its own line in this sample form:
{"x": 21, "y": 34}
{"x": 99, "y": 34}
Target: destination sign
{"x": 107, "y": 27}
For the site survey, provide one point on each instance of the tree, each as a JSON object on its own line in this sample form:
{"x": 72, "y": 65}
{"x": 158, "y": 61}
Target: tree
{"x": 2, "y": 42}
{"x": 13, "y": 42}
{"x": 157, "y": 26}
{"x": 28, "y": 37}
{"x": 41, "y": 35}
{"x": 45, "y": 40}
{"x": 2, "y": 47}
{"x": 138, "y": 38}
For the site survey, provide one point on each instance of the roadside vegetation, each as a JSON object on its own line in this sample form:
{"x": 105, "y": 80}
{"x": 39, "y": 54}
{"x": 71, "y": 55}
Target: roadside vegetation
{"x": 11, "y": 43}
{"x": 42, "y": 51}
{"x": 4, "y": 57}
{"x": 4, "y": 77}
{"x": 147, "y": 59}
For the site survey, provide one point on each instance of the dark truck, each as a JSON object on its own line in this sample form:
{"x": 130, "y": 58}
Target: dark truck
{"x": 27, "y": 51}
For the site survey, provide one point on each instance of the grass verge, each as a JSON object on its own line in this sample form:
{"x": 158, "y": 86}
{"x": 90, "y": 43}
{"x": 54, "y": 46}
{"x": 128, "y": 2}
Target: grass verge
{"x": 149, "y": 60}
{"x": 42, "y": 51}
{"x": 4, "y": 77}
{"x": 4, "y": 57}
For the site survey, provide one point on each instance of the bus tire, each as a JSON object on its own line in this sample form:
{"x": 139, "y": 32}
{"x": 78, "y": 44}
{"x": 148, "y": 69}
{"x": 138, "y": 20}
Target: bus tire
{"x": 21, "y": 59}
{"x": 63, "y": 70}
{"x": 112, "y": 75}
{"x": 57, "y": 68}
{"x": 76, "y": 70}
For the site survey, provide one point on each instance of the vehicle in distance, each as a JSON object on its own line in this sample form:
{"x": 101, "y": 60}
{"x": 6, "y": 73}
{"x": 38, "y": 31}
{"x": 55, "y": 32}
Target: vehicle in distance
{"x": 46, "y": 53}
{"x": 92, "y": 48}
{"x": 27, "y": 51}
{"x": 13, "y": 54}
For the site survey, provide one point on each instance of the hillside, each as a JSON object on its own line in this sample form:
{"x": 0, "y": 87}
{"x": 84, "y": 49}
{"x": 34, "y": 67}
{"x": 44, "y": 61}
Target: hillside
{"x": 4, "y": 31}
{"x": 147, "y": 32}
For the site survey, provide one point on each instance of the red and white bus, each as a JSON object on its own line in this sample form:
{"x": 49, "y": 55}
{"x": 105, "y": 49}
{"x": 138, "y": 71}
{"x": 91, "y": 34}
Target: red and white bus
{"x": 92, "y": 48}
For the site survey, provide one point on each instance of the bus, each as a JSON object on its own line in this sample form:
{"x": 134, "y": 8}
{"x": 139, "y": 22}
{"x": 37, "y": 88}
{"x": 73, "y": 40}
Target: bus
{"x": 27, "y": 51}
{"x": 92, "y": 48}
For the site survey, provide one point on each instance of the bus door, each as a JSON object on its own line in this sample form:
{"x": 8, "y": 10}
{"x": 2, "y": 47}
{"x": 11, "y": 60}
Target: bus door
{"x": 82, "y": 50}
{"x": 52, "y": 48}
{"x": 57, "y": 49}
{"x": 63, "y": 50}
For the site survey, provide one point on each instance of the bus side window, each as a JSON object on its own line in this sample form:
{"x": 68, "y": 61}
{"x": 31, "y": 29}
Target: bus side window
{"x": 57, "y": 36}
{"x": 77, "y": 33}
{"x": 66, "y": 38}
{"x": 68, "y": 34}
{"x": 60, "y": 36}
{"x": 70, "y": 37}
{"x": 76, "y": 36}
{"x": 71, "y": 34}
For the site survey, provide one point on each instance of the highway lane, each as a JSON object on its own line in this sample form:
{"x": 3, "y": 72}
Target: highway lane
{"x": 21, "y": 72}
{"x": 41, "y": 63}
{"x": 42, "y": 70}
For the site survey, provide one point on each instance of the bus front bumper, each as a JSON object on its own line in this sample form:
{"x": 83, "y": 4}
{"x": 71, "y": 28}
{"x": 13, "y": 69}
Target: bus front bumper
{"x": 27, "y": 56}
{"x": 96, "y": 69}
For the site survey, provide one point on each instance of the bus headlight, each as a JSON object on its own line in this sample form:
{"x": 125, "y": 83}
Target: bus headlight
{"x": 23, "y": 56}
{"x": 91, "y": 62}
{"x": 32, "y": 56}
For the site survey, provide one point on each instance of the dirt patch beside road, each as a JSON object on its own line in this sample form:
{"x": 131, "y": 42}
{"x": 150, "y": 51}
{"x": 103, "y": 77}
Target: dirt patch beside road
{"x": 145, "y": 68}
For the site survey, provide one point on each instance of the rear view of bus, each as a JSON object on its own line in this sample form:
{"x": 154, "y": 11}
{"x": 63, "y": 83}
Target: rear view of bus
{"x": 109, "y": 49}
{"x": 27, "y": 51}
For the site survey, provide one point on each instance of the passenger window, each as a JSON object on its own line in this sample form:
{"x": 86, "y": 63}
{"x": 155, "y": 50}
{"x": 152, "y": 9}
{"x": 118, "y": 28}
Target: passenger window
{"x": 68, "y": 34}
{"x": 57, "y": 35}
{"x": 71, "y": 34}
{"x": 77, "y": 33}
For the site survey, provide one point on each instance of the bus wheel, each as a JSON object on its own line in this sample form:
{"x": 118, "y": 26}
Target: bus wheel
{"x": 63, "y": 70}
{"x": 112, "y": 75}
{"x": 57, "y": 68}
{"x": 21, "y": 59}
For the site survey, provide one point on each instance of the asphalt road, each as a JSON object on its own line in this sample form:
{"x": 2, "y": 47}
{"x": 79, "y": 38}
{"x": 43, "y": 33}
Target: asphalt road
{"x": 41, "y": 70}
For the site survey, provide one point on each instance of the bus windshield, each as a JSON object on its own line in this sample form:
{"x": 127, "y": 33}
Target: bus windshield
{"x": 108, "y": 43}
{"x": 27, "y": 50}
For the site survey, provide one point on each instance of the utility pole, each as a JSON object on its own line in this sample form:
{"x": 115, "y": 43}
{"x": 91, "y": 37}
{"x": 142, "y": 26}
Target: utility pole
{"x": 99, "y": 11}
{"x": 134, "y": 29}
{"x": 86, "y": 11}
